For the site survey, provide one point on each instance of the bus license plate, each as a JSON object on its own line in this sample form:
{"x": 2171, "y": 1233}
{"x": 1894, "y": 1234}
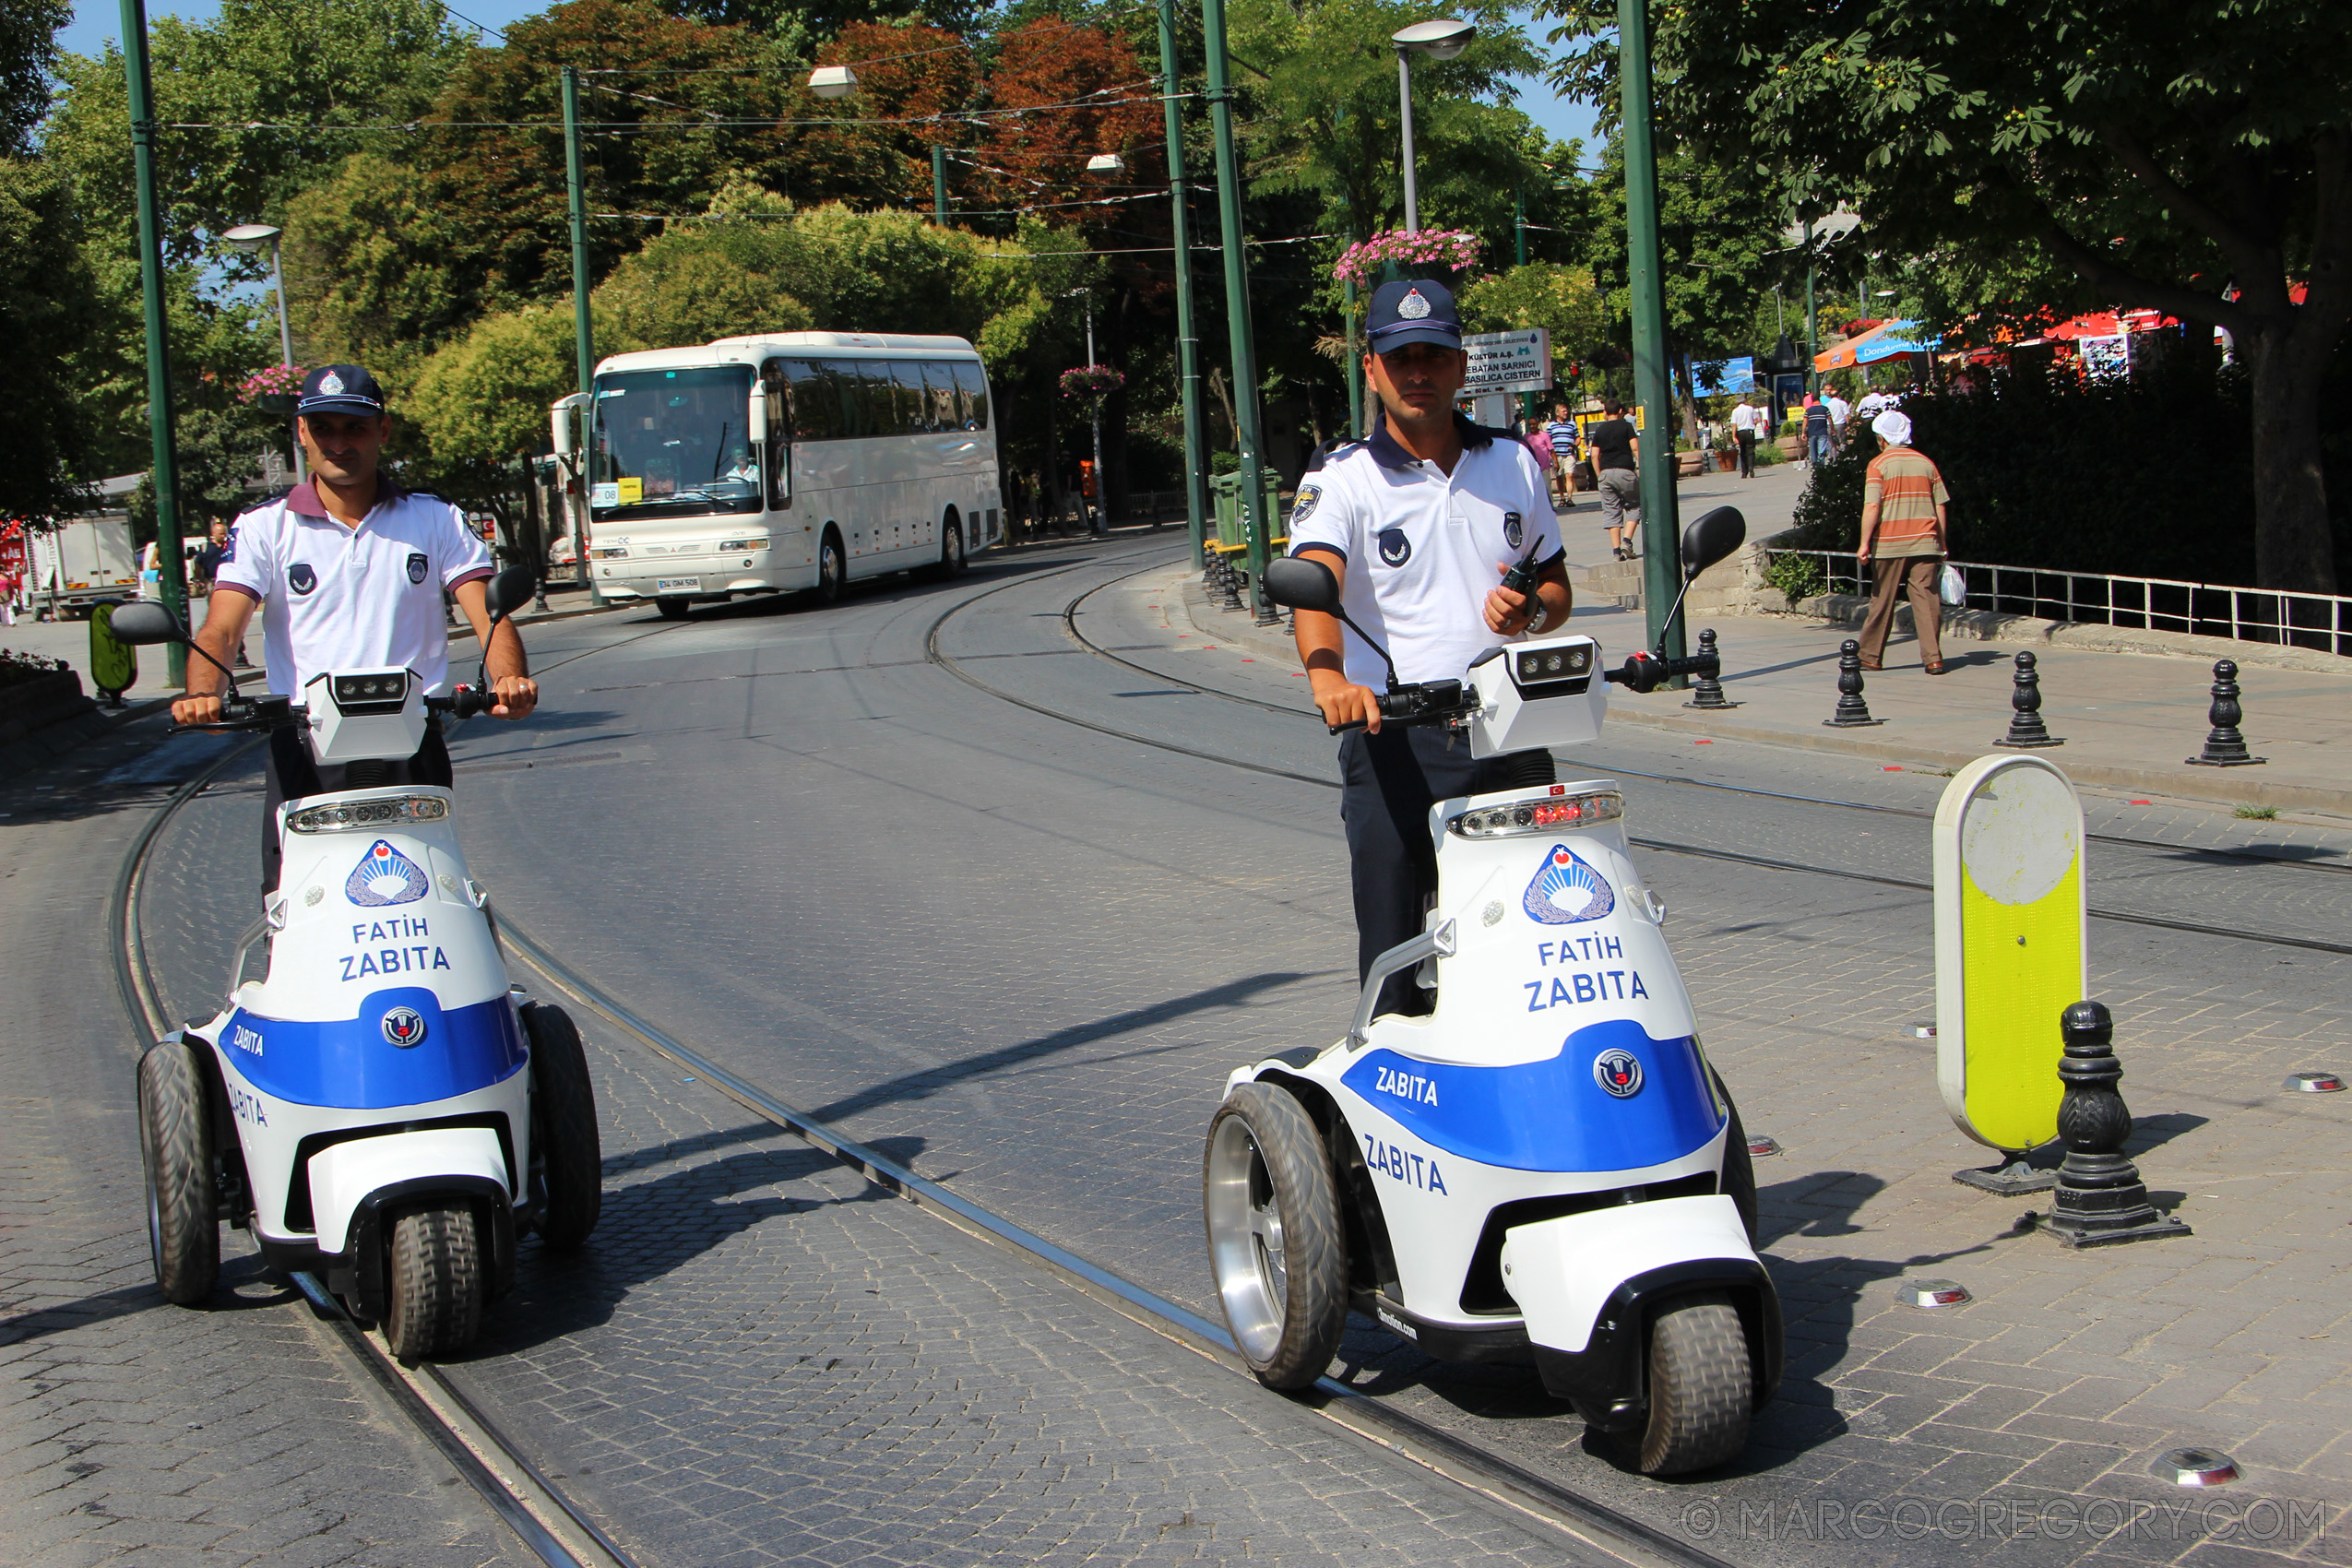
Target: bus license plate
{"x": 677, "y": 585}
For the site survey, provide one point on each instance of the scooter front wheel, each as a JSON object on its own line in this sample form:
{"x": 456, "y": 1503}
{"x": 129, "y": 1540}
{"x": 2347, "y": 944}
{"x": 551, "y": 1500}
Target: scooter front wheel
{"x": 175, "y": 1138}
{"x": 434, "y": 1302}
{"x": 1701, "y": 1391}
{"x": 1276, "y": 1243}
{"x": 564, "y": 1133}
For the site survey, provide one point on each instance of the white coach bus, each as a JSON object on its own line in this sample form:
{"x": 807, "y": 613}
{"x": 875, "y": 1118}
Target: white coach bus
{"x": 786, "y": 461}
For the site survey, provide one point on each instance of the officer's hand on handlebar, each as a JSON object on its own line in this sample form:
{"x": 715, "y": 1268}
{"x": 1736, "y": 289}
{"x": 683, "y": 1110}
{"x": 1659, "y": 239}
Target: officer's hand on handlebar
{"x": 1344, "y": 704}
{"x": 517, "y": 694}
{"x": 196, "y": 710}
{"x": 1507, "y": 610}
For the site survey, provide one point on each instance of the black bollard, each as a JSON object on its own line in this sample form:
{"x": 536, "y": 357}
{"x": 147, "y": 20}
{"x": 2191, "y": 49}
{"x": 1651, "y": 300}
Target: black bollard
{"x": 2225, "y": 745}
{"x": 1230, "y": 584}
{"x": 1852, "y": 711}
{"x": 2100, "y": 1199}
{"x": 1707, "y": 691}
{"x": 2026, "y": 727}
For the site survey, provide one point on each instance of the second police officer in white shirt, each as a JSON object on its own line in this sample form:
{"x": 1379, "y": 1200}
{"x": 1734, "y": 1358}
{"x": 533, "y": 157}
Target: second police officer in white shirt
{"x": 1420, "y": 521}
{"x": 347, "y": 570}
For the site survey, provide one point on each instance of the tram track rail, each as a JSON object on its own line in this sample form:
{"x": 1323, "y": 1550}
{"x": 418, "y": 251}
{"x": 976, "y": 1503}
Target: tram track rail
{"x": 1069, "y": 615}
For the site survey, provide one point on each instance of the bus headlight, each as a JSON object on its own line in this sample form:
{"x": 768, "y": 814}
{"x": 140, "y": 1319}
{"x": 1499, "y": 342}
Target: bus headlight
{"x": 728, "y": 547}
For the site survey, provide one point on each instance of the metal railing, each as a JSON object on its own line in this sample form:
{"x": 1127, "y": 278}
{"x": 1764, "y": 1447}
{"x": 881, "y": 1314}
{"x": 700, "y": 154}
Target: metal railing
{"x": 2317, "y": 621}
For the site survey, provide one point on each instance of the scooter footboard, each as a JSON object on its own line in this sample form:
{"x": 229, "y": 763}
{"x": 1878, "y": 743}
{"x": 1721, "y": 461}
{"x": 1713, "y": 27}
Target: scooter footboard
{"x": 1588, "y": 1284}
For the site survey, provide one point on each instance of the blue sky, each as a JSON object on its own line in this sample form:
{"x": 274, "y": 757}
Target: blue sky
{"x": 96, "y": 21}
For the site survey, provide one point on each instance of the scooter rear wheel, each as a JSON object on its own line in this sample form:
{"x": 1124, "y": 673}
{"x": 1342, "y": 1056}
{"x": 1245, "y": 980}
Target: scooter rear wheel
{"x": 175, "y": 1137}
{"x": 434, "y": 1302}
{"x": 564, "y": 1142}
{"x": 1276, "y": 1243}
{"x": 1701, "y": 1388}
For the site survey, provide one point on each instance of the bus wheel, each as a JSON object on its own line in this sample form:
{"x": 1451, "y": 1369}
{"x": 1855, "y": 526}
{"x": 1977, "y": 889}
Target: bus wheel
{"x": 832, "y": 571}
{"x": 672, "y": 608}
{"x": 951, "y": 548}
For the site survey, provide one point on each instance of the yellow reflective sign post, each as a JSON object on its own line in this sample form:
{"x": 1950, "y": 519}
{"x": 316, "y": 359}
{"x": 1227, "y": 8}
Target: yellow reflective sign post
{"x": 2010, "y": 917}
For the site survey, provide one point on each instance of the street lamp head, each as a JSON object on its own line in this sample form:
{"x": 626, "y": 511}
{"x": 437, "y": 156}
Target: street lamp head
{"x": 251, "y": 237}
{"x": 1438, "y": 39}
{"x": 832, "y": 81}
{"x": 1106, "y": 163}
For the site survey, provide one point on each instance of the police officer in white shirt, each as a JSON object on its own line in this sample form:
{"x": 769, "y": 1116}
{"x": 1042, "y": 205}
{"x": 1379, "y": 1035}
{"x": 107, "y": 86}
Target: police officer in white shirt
{"x": 1419, "y": 522}
{"x": 347, "y": 570}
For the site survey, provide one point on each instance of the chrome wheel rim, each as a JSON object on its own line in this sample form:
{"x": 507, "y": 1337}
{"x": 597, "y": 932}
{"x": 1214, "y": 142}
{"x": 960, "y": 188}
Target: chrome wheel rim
{"x": 1245, "y": 1240}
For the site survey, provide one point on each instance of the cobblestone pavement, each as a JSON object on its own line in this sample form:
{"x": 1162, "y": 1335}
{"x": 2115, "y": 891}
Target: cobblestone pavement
{"x": 761, "y": 1359}
{"x": 1012, "y": 952}
{"x": 132, "y": 1432}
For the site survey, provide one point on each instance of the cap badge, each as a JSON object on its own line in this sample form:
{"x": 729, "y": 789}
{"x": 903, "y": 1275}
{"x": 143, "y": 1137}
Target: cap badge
{"x": 330, "y": 384}
{"x": 1412, "y": 307}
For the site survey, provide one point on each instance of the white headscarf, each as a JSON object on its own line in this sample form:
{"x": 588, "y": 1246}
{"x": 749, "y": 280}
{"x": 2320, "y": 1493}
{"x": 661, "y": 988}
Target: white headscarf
{"x": 1896, "y": 425}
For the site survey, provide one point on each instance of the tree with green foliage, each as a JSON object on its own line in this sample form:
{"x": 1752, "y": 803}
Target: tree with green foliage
{"x": 1563, "y": 300}
{"x": 2173, "y": 155}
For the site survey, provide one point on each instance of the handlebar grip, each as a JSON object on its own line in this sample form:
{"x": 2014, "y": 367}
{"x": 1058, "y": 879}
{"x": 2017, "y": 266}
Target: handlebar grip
{"x": 1696, "y": 664}
{"x": 1342, "y": 728}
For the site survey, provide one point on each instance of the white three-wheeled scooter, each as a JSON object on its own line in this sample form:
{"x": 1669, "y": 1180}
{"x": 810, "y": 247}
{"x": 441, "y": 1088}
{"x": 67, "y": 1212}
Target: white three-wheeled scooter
{"x": 1545, "y": 1165}
{"x": 382, "y": 1109}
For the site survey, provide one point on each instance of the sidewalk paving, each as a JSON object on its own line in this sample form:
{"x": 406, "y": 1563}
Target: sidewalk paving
{"x": 2131, "y": 721}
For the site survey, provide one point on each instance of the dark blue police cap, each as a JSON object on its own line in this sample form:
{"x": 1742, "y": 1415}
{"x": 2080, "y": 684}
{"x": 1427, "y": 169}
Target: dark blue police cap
{"x": 1413, "y": 310}
{"x": 341, "y": 389}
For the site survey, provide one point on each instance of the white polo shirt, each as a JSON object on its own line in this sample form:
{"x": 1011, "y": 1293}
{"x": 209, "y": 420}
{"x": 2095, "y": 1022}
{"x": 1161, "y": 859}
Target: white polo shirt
{"x": 334, "y": 598}
{"x": 1422, "y": 547}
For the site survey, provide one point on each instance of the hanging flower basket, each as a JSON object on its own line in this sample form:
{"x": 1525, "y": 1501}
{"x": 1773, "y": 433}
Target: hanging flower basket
{"x": 1450, "y": 250}
{"x": 273, "y": 388}
{"x": 1091, "y": 381}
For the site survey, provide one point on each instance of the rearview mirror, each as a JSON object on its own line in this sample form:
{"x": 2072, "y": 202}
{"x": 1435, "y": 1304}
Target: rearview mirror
{"x": 147, "y": 622}
{"x": 755, "y": 418}
{"x": 1712, "y": 538}
{"x": 510, "y": 590}
{"x": 1297, "y": 583}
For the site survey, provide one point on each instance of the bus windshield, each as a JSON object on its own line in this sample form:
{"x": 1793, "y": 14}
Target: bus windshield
{"x": 673, "y": 440}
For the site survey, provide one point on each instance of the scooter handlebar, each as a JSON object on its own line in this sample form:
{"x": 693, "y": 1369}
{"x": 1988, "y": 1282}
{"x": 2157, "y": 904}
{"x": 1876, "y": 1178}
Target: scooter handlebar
{"x": 463, "y": 703}
{"x": 1641, "y": 672}
{"x": 1421, "y": 702}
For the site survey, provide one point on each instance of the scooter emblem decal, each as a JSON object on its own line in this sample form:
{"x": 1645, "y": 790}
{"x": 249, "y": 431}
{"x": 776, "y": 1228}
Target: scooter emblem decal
{"x": 1619, "y": 1073}
{"x": 404, "y": 1027}
{"x": 385, "y": 876}
{"x": 1567, "y": 891}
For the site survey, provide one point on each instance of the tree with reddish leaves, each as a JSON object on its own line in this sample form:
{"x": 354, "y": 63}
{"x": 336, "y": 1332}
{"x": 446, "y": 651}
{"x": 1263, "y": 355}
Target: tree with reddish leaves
{"x": 1089, "y": 94}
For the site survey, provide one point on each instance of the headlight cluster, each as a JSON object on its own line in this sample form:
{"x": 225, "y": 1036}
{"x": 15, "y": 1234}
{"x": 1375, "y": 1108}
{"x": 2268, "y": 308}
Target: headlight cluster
{"x": 389, "y": 812}
{"x": 1539, "y": 816}
{"x": 728, "y": 547}
{"x": 1537, "y": 666}
{"x": 352, "y": 689}
{"x": 610, "y": 552}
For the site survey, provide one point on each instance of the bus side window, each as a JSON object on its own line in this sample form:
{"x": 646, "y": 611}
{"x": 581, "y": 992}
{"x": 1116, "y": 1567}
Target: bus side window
{"x": 777, "y": 391}
{"x": 907, "y": 384}
{"x": 857, "y": 405}
{"x": 816, "y": 400}
{"x": 939, "y": 397}
{"x": 971, "y": 395}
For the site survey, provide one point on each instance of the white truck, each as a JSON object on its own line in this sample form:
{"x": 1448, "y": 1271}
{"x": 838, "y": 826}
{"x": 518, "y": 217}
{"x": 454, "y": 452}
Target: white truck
{"x": 87, "y": 561}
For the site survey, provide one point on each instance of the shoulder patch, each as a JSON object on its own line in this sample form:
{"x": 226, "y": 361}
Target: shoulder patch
{"x": 1304, "y": 506}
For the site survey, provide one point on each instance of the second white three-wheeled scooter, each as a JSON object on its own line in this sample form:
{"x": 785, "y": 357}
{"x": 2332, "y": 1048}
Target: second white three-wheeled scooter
{"x": 1544, "y": 1166}
{"x": 382, "y": 1109}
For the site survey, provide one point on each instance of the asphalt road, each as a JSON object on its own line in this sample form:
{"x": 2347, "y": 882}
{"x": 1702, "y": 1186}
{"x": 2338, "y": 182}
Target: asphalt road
{"x": 1020, "y": 955}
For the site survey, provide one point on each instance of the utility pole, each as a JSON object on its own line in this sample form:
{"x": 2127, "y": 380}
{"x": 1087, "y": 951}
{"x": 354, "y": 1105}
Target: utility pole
{"x": 1188, "y": 346}
{"x": 938, "y": 186}
{"x": 1653, "y": 391}
{"x": 583, "y": 327}
{"x": 1812, "y": 313}
{"x": 1101, "y": 480}
{"x": 1259, "y": 528}
{"x": 172, "y": 570}
{"x": 1519, "y": 257}
{"x": 1354, "y": 360}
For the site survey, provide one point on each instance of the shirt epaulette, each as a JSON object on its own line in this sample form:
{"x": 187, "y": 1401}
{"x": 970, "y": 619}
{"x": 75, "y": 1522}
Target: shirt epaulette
{"x": 1328, "y": 449}
{"x": 1479, "y": 435}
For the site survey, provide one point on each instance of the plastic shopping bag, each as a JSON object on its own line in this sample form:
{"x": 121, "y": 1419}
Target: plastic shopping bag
{"x": 1952, "y": 587}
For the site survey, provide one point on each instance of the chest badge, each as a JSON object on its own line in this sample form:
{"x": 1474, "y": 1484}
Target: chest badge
{"x": 1515, "y": 530}
{"x": 1567, "y": 891}
{"x": 300, "y": 577}
{"x": 1395, "y": 548}
{"x": 417, "y": 561}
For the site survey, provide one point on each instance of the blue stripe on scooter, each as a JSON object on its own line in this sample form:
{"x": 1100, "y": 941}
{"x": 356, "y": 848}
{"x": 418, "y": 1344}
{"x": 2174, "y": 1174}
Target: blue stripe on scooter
{"x": 1552, "y": 1115}
{"x": 348, "y": 1065}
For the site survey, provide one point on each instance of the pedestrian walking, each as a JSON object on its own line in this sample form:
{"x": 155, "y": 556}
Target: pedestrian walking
{"x": 1870, "y": 406}
{"x": 1816, "y": 431}
{"x": 1419, "y": 522}
{"x": 1746, "y": 420}
{"x": 1562, "y": 472}
{"x": 1617, "y": 457}
{"x": 1904, "y": 537}
{"x": 1840, "y": 411}
{"x": 1537, "y": 439}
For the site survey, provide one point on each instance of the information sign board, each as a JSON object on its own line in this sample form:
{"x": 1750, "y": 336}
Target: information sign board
{"x": 1509, "y": 362}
